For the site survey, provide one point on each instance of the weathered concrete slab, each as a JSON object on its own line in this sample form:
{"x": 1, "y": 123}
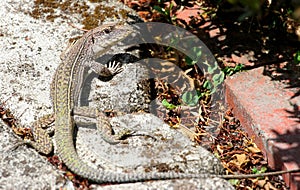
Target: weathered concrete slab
{"x": 24, "y": 168}
{"x": 30, "y": 51}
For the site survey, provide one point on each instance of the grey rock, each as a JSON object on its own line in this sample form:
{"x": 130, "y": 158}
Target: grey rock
{"x": 184, "y": 184}
{"x": 23, "y": 168}
{"x": 155, "y": 147}
{"x": 30, "y": 51}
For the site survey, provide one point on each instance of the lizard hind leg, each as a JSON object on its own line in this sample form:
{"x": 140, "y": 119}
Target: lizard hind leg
{"x": 107, "y": 132}
{"x": 102, "y": 123}
{"x": 125, "y": 129}
{"x": 41, "y": 137}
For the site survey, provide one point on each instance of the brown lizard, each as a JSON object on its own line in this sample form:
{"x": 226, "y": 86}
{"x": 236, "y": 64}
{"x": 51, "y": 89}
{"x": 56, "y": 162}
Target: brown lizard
{"x": 65, "y": 90}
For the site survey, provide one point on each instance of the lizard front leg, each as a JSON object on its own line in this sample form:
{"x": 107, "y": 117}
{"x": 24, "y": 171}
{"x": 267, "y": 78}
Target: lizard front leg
{"x": 102, "y": 121}
{"x": 112, "y": 68}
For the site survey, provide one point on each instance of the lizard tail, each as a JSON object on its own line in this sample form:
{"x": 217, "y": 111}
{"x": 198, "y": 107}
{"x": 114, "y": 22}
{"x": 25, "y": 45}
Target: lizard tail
{"x": 68, "y": 154}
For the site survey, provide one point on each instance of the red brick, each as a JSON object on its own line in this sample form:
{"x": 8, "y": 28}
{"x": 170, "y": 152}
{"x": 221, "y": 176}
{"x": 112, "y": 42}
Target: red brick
{"x": 261, "y": 105}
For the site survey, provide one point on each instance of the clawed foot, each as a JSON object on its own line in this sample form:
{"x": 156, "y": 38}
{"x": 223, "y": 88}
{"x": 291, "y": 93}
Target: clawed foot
{"x": 117, "y": 138}
{"x": 124, "y": 134}
{"x": 144, "y": 134}
{"x": 114, "y": 67}
{"x": 18, "y": 144}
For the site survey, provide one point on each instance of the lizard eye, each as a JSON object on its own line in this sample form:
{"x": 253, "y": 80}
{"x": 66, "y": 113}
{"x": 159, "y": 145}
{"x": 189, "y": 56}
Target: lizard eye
{"x": 107, "y": 30}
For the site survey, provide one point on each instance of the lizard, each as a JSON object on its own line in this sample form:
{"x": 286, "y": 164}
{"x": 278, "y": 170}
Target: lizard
{"x": 65, "y": 89}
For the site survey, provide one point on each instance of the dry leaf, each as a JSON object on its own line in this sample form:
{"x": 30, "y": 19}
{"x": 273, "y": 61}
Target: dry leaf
{"x": 240, "y": 160}
{"x": 253, "y": 149}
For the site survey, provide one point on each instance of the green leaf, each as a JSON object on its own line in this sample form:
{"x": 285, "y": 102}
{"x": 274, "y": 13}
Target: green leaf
{"x": 187, "y": 96}
{"x": 218, "y": 78}
{"x": 234, "y": 182}
{"x": 212, "y": 69}
{"x": 231, "y": 70}
{"x": 255, "y": 170}
{"x": 198, "y": 51}
{"x": 190, "y": 98}
{"x": 239, "y": 67}
{"x": 168, "y": 105}
{"x": 263, "y": 169}
{"x": 208, "y": 85}
{"x": 189, "y": 61}
{"x": 159, "y": 9}
{"x": 213, "y": 90}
